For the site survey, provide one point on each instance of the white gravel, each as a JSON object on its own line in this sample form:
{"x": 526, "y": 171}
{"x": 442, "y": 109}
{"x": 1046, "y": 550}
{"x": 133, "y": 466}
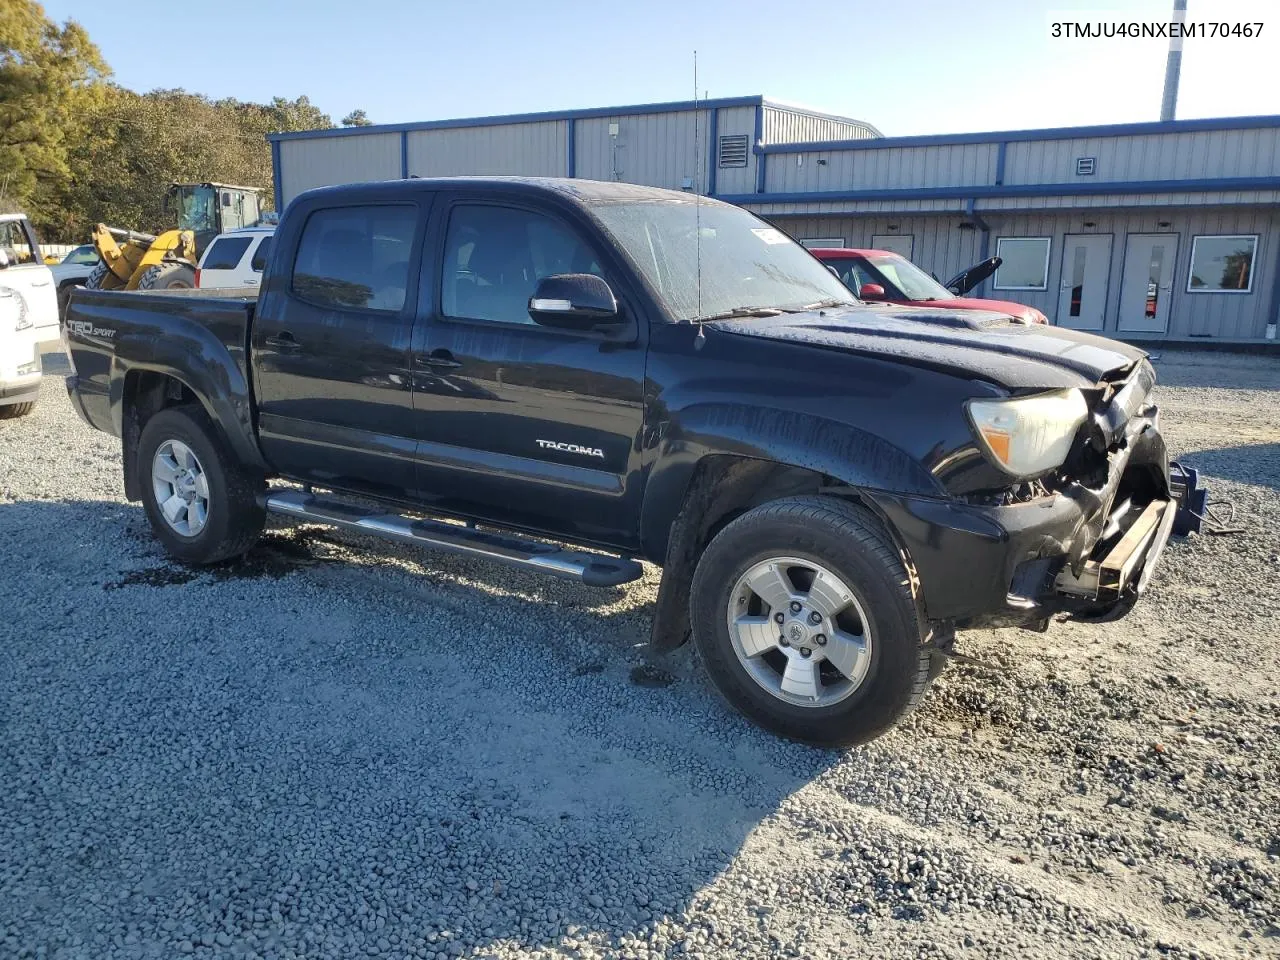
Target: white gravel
{"x": 328, "y": 752}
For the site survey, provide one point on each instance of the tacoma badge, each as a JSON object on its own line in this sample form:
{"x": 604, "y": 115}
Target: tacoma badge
{"x": 571, "y": 448}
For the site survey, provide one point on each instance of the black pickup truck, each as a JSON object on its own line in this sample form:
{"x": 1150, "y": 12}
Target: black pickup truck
{"x": 831, "y": 488}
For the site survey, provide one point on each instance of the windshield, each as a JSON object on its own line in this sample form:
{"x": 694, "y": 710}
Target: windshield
{"x": 914, "y": 283}
{"x": 197, "y": 209}
{"x": 744, "y": 261}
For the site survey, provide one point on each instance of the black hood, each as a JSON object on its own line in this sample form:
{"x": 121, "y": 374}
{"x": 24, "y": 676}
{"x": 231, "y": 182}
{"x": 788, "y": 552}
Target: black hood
{"x": 974, "y": 343}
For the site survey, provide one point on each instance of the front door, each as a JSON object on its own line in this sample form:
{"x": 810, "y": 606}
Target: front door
{"x": 1086, "y": 264}
{"x": 1147, "y": 289}
{"x": 331, "y": 347}
{"x": 29, "y": 281}
{"x": 522, "y": 424}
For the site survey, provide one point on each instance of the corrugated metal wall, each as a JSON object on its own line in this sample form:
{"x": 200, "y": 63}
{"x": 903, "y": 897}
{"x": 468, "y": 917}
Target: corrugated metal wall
{"x": 941, "y": 245}
{"x": 893, "y": 167}
{"x": 655, "y": 149}
{"x": 1163, "y": 156}
{"x": 795, "y": 126}
{"x": 323, "y": 162}
{"x": 517, "y": 149}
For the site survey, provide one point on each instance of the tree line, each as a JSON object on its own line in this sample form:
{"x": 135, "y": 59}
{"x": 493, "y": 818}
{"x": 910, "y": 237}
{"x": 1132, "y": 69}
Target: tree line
{"x": 77, "y": 149}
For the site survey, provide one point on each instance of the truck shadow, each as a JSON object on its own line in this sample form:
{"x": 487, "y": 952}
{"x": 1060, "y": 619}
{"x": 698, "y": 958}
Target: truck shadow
{"x": 1257, "y": 464}
{"x": 435, "y": 763}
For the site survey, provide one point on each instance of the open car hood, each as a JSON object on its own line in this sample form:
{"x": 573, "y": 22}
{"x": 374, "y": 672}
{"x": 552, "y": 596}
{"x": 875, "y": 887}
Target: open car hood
{"x": 970, "y": 277}
{"x": 988, "y": 346}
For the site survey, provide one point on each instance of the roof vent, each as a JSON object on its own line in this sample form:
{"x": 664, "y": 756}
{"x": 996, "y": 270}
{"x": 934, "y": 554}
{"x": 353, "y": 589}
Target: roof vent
{"x": 1086, "y": 166}
{"x": 733, "y": 150}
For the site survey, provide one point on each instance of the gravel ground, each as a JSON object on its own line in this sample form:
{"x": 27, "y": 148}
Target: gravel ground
{"x": 327, "y": 752}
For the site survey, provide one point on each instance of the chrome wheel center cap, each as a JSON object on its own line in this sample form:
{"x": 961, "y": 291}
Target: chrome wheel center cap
{"x": 797, "y": 633}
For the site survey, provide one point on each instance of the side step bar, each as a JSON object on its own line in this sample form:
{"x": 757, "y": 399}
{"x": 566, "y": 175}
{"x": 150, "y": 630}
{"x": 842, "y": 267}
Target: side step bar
{"x": 593, "y": 569}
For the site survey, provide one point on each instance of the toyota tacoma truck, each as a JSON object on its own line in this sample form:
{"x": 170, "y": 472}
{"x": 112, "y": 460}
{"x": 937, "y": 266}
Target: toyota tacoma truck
{"x": 572, "y": 377}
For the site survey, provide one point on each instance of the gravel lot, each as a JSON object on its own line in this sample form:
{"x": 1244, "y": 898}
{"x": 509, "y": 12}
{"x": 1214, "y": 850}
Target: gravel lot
{"x": 327, "y": 752}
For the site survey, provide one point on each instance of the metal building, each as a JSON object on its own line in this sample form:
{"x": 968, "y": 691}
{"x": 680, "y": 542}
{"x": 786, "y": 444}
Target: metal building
{"x": 1166, "y": 230}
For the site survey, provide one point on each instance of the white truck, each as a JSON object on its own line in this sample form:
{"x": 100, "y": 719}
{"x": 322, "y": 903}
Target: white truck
{"x": 28, "y": 314}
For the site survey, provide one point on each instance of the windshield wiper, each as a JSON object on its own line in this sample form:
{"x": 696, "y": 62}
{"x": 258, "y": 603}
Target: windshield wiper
{"x": 742, "y": 312}
{"x": 821, "y": 304}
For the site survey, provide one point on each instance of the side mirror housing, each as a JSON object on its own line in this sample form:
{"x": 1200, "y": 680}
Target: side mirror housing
{"x": 573, "y": 301}
{"x": 871, "y": 291}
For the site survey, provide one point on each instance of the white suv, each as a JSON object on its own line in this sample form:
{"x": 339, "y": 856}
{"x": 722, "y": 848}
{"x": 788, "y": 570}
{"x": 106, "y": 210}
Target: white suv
{"x": 235, "y": 258}
{"x": 28, "y": 314}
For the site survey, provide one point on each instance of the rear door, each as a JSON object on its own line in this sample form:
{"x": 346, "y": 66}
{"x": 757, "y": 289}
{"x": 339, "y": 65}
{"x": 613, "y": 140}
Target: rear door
{"x": 27, "y": 280}
{"x": 519, "y": 423}
{"x": 331, "y": 345}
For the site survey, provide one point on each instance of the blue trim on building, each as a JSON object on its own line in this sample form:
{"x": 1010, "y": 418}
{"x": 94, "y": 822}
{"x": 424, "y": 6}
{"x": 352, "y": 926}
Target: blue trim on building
{"x": 1018, "y": 190}
{"x": 757, "y": 148}
{"x": 571, "y": 148}
{"x": 276, "y": 176}
{"x": 404, "y": 154}
{"x": 1001, "y": 153}
{"x": 713, "y": 151}
{"x": 1049, "y": 133}
{"x": 674, "y": 106}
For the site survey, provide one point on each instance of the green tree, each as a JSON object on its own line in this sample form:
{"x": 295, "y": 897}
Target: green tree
{"x": 357, "y": 118}
{"x": 48, "y": 80}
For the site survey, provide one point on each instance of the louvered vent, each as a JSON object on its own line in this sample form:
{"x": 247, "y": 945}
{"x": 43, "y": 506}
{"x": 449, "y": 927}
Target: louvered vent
{"x": 733, "y": 150}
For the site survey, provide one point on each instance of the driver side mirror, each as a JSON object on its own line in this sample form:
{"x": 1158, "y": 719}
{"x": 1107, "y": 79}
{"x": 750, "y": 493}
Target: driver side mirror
{"x": 871, "y": 291}
{"x": 573, "y": 301}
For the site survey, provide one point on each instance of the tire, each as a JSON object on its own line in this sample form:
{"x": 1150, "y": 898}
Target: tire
{"x": 64, "y": 297}
{"x": 11, "y": 411}
{"x": 96, "y": 276}
{"x": 857, "y": 584}
{"x": 168, "y": 276}
{"x": 232, "y": 516}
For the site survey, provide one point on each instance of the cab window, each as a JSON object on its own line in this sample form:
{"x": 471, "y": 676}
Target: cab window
{"x": 17, "y": 242}
{"x": 356, "y": 257}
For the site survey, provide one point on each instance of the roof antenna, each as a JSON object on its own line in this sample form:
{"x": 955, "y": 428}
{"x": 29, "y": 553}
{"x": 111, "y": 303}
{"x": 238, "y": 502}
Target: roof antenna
{"x": 697, "y": 207}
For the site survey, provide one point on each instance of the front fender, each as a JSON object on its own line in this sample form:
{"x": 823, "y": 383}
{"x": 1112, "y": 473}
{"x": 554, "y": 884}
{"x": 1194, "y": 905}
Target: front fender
{"x": 828, "y": 447}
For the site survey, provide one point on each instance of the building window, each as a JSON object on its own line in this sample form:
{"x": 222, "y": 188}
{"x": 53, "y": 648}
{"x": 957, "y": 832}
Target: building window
{"x": 1025, "y": 263}
{"x": 900, "y": 243}
{"x": 1086, "y": 166}
{"x": 821, "y": 243}
{"x": 1222, "y": 264}
{"x": 733, "y": 150}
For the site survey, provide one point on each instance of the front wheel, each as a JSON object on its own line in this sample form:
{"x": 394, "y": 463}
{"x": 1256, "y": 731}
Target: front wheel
{"x": 804, "y": 618}
{"x": 11, "y": 411}
{"x": 202, "y": 505}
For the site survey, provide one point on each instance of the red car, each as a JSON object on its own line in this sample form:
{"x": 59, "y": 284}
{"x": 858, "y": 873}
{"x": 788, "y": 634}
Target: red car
{"x": 890, "y": 277}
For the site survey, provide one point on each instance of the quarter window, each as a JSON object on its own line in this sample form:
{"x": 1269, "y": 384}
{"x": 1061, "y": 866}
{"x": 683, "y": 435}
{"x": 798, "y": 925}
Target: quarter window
{"x": 226, "y": 252}
{"x": 259, "y": 261}
{"x": 495, "y": 256}
{"x": 356, "y": 257}
{"x": 1026, "y": 263}
{"x": 1222, "y": 264}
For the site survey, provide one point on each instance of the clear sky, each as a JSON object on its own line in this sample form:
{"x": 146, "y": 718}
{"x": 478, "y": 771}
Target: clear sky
{"x": 907, "y": 66}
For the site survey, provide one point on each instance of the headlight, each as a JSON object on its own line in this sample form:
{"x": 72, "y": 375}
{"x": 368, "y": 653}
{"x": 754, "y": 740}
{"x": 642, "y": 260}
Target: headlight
{"x": 1027, "y": 436}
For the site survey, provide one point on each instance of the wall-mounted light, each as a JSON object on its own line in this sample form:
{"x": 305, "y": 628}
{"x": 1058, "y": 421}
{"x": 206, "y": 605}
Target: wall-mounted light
{"x": 1090, "y": 223}
{"x": 893, "y": 226}
{"x": 1165, "y": 223}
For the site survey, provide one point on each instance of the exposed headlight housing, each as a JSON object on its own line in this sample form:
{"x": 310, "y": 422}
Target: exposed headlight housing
{"x": 1028, "y": 436}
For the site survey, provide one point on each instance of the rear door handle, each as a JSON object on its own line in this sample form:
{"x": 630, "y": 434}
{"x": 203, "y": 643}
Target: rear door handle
{"x": 439, "y": 358}
{"x": 283, "y": 341}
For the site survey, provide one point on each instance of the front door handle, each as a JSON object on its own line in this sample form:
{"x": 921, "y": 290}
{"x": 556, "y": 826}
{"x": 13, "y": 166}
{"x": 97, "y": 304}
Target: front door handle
{"x": 439, "y": 358}
{"x": 283, "y": 341}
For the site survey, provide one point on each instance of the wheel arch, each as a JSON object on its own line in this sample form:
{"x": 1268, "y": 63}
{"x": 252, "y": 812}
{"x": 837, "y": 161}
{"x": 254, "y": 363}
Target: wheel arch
{"x": 721, "y": 488}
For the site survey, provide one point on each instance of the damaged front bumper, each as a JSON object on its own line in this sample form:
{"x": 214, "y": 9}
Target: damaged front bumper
{"x": 1088, "y": 552}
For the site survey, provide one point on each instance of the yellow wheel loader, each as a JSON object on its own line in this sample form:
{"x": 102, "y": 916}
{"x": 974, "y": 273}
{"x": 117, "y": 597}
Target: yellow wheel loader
{"x": 141, "y": 261}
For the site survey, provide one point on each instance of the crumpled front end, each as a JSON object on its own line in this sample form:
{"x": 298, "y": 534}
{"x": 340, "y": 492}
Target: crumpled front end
{"x": 1082, "y": 541}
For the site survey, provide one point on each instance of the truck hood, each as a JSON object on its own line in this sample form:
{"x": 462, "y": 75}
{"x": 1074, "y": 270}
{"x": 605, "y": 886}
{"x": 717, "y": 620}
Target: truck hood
{"x": 987, "y": 346}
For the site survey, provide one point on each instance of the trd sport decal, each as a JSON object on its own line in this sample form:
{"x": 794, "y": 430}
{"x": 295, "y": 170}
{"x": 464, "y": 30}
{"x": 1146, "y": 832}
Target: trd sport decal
{"x": 571, "y": 448}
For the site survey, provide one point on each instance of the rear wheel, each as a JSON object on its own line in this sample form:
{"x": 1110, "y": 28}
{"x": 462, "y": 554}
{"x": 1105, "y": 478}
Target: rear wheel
{"x": 804, "y": 618}
{"x": 11, "y": 411}
{"x": 202, "y": 505}
{"x": 168, "y": 276}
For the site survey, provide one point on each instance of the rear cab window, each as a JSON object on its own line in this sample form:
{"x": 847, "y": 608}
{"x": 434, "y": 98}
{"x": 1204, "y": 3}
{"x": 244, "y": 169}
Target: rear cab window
{"x": 226, "y": 253}
{"x": 356, "y": 257}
